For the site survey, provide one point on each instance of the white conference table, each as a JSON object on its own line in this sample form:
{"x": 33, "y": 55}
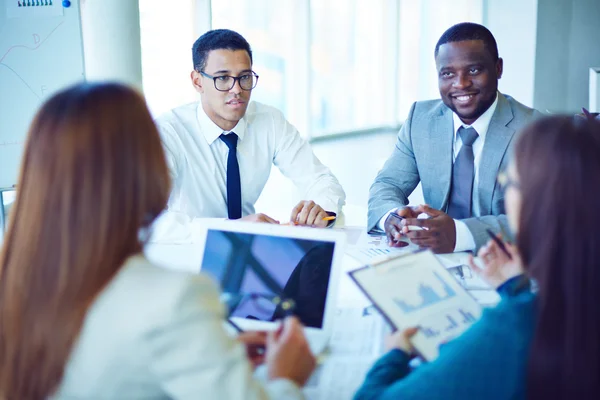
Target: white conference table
{"x": 357, "y": 336}
{"x": 356, "y": 339}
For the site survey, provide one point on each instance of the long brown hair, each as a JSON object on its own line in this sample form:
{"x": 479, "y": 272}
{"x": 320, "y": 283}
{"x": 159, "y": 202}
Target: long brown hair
{"x": 558, "y": 162}
{"x": 93, "y": 178}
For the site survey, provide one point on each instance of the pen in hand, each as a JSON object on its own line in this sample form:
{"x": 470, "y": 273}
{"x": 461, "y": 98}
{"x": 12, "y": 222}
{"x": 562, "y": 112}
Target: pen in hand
{"x": 328, "y": 219}
{"x": 235, "y": 326}
{"x": 499, "y": 242}
{"x": 253, "y": 350}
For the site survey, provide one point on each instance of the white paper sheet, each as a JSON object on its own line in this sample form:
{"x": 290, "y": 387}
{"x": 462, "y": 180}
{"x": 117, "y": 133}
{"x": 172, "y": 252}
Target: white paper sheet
{"x": 373, "y": 248}
{"x": 357, "y": 332}
{"x": 339, "y": 378}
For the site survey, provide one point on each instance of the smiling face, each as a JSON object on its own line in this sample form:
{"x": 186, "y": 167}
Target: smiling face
{"x": 468, "y": 78}
{"x": 225, "y": 109}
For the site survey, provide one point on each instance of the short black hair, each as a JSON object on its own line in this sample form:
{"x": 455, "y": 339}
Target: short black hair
{"x": 469, "y": 31}
{"x": 217, "y": 39}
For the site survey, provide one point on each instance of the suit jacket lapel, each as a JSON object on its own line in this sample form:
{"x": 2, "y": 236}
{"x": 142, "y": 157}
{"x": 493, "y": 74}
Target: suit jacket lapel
{"x": 441, "y": 152}
{"x": 496, "y": 143}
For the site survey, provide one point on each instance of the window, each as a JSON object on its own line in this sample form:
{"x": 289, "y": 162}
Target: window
{"x": 273, "y": 29}
{"x": 352, "y": 65}
{"x": 330, "y": 66}
{"x": 421, "y": 25}
{"x": 167, "y": 36}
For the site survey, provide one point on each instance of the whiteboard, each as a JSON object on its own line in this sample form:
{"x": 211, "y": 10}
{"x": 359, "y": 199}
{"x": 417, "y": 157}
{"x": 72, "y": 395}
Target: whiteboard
{"x": 41, "y": 52}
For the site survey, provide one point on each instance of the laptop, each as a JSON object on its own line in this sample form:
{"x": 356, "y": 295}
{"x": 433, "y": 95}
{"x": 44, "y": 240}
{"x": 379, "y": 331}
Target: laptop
{"x": 265, "y": 267}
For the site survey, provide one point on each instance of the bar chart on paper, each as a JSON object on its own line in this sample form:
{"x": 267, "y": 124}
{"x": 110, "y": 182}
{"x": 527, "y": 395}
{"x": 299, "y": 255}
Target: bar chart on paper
{"x": 416, "y": 290}
{"x": 442, "y": 326}
{"x": 448, "y": 323}
{"x": 431, "y": 290}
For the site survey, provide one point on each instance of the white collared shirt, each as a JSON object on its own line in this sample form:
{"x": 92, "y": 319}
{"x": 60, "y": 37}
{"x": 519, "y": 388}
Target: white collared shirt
{"x": 197, "y": 159}
{"x": 464, "y": 238}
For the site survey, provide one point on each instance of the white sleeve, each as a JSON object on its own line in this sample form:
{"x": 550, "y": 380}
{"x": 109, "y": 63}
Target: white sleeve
{"x": 296, "y": 160}
{"x": 464, "y": 238}
{"x": 381, "y": 223}
{"x": 171, "y": 146}
{"x": 192, "y": 356}
{"x": 173, "y": 227}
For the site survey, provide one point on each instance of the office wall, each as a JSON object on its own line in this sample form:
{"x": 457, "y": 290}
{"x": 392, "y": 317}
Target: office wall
{"x": 514, "y": 23}
{"x": 595, "y": 89}
{"x": 567, "y": 46}
{"x": 111, "y": 41}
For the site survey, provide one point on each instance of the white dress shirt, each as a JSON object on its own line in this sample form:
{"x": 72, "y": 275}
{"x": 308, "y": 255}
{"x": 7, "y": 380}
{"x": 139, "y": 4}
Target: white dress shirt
{"x": 464, "y": 238}
{"x": 197, "y": 159}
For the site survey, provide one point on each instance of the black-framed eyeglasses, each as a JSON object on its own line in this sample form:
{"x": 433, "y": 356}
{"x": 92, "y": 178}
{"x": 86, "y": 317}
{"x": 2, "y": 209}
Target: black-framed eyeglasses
{"x": 266, "y": 304}
{"x": 505, "y": 182}
{"x": 225, "y": 83}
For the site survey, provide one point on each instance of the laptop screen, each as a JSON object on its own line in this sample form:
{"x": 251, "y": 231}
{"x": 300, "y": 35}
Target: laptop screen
{"x": 248, "y": 264}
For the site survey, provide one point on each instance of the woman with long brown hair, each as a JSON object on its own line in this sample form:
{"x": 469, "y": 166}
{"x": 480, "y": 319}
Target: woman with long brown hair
{"x": 82, "y": 313}
{"x": 535, "y": 344}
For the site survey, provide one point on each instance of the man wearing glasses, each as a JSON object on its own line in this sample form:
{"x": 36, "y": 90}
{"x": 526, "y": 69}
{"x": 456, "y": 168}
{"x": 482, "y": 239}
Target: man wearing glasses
{"x": 221, "y": 150}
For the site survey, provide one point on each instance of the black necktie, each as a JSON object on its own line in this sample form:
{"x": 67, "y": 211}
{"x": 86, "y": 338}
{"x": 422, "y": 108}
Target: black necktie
{"x": 463, "y": 173}
{"x": 234, "y": 186}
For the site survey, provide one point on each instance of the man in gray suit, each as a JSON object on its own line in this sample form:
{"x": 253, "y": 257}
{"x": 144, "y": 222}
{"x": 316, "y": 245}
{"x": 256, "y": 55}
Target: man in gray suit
{"x": 455, "y": 147}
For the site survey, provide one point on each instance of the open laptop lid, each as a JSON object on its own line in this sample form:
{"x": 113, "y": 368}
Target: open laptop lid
{"x": 303, "y": 264}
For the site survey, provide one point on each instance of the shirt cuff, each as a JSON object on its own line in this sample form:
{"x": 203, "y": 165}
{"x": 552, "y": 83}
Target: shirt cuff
{"x": 331, "y": 223}
{"x": 464, "y": 237}
{"x": 514, "y": 286}
{"x": 381, "y": 223}
{"x": 328, "y": 205}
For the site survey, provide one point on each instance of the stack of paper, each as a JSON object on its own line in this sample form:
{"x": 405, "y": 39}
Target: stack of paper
{"x": 356, "y": 342}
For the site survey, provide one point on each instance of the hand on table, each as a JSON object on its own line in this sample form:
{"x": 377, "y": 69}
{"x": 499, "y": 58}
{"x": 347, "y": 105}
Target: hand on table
{"x": 259, "y": 218}
{"x": 438, "y": 233}
{"x": 308, "y": 213}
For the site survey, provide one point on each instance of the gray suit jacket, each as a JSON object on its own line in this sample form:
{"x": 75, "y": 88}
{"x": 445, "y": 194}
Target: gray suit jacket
{"x": 424, "y": 153}
{"x": 158, "y": 334}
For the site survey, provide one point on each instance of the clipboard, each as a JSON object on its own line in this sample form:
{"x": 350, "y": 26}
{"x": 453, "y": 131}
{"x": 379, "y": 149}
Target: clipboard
{"x": 416, "y": 290}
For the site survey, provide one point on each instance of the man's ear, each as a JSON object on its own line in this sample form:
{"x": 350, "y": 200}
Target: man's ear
{"x": 197, "y": 81}
{"x": 499, "y": 67}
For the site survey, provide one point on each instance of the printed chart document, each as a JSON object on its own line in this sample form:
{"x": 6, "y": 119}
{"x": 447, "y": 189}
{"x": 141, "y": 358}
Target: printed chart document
{"x": 369, "y": 248}
{"x": 416, "y": 290}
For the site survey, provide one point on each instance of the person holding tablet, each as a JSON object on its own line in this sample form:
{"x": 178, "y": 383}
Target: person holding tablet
{"x": 535, "y": 344}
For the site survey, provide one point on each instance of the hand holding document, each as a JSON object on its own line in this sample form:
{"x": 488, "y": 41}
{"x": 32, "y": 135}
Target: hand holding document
{"x": 416, "y": 290}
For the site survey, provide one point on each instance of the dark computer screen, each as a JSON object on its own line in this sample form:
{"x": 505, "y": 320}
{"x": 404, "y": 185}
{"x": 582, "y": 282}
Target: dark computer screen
{"x": 295, "y": 269}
